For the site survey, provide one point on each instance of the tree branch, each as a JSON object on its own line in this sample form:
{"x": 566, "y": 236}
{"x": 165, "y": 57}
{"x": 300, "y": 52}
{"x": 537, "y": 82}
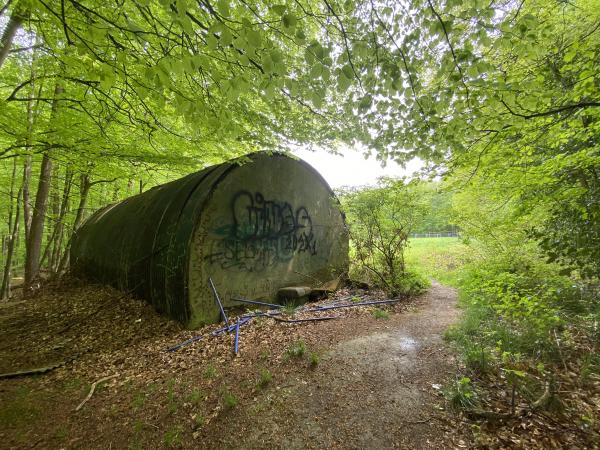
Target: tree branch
{"x": 551, "y": 112}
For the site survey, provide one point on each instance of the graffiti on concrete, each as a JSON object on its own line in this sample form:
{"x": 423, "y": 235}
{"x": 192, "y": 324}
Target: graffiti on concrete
{"x": 262, "y": 233}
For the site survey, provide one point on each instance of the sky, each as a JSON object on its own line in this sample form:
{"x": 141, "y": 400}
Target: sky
{"x": 351, "y": 168}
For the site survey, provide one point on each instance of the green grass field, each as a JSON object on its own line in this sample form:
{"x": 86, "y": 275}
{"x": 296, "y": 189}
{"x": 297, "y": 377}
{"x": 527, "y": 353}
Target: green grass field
{"x": 439, "y": 258}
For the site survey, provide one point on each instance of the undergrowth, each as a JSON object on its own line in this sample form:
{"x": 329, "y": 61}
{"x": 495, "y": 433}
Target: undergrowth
{"x": 526, "y": 329}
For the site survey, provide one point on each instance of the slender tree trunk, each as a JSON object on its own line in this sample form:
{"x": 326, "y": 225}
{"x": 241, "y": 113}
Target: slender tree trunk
{"x": 26, "y": 201}
{"x": 27, "y": 165}
{"x": 54, "y": 204}
{"x": 5, "y": 288}
{"x": 12, "y": 194}
{"x": 13, "y": 25}
{"x": 84, "y": 190}
{"x": 8, "y": 242}
{"x": 64, "y": 210}
{"x": 36, "y": 233}
{"x": 54, "y": 244}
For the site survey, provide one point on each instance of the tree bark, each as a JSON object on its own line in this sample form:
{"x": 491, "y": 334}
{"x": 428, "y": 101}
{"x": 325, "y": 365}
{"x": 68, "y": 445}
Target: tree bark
{"x": 13, "y": 224}
{"x": 64, "y": 209}
{"x": 84, "y": 190}
{"x": 26, "y": 201}
{"x": 36, "y": 233}
{"x": 13, "y": 25}
{"x": 54, "y": 204}
{"x": 5, "y": 288}
{"x": 27, "y": 165}
{"x": 54, "y": 243}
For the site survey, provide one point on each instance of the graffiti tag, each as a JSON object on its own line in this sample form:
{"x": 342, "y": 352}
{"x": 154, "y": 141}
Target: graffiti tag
{"x": 262, "y": 233}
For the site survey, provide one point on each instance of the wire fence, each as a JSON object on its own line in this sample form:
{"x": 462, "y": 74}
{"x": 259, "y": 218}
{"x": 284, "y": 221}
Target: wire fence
{"x": 435, "y": 234}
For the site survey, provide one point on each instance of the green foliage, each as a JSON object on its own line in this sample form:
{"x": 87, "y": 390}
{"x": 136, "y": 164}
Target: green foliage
{"x": 200, "y": 420}
{"x": 380, "y": 221}
{"x": 440, "y": 258}
{"x": 379, "y": 313}
{"x": 210, "y": 371}
{"x": 230, "y": 401}
{"x": 571, "y": 234}
{"x": 20, "y": 410}
{"x": 172, "y": 401}
{"x": 512, "y": 306}
{"x": 297, "y": 349}
{"x": 139, "y": 399}
{"x": 411, "y": 283}
{"x": 461, "y": 394}
{"x": 289, "y": 308}
{"x": 265, "y": 378}
{"x": 195, "y": 396}
{"x": 314, "y": 359}
{"x": 439, "y": 209}
{"x": 172, "y": 437}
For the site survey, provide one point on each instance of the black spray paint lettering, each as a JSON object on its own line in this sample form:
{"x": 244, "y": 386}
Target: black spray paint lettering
{"x": 262, "y": 233}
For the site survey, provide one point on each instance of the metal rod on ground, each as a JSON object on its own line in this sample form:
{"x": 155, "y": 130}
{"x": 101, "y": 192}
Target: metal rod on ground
{"x": 263, "y": 314}
{"x": 309, "y": 319}
{"x": 237, "y": 337}
{"x": 216, "y": 294}
{"x": 184, "y": 343}
{"x": 254, "y": 302}
{"x": 337, "y": 301}
{"x": 229, "y": 328}
{"x": 243, "y": 321}
{"x": 380, "y": 302}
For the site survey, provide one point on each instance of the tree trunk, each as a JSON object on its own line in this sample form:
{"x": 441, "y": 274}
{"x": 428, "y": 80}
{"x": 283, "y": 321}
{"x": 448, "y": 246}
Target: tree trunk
{"x": 84, "y": 190}
{"x": 36, "y": 233}
{"x": 54, "y": 216}
{"x": 5, "y": 288}
{"x": 55, "y": 242}
{"x": 27, "y": 165}
{"x": 26, "y": 201}
{"x": 64, "y": 209}
{"x": 14, "y": 23}
{"x": 10, "y": 241}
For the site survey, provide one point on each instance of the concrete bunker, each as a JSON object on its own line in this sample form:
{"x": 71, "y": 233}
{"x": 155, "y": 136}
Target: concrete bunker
{"x": 254, "y": 225}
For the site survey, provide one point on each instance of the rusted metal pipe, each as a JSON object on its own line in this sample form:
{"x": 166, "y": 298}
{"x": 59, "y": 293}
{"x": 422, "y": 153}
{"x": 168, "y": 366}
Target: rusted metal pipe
{"x": 255, "y": 302}
{"x": 379, "y": 302}
{"x": 216, "y": 294}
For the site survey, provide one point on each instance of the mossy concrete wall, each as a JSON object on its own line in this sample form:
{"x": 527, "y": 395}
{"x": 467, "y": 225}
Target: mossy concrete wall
{"x": 253, "y": 225}
{"x": 271, "y": 223}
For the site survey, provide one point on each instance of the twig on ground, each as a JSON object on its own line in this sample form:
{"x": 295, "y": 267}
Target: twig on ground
{"x": 36, "y": 371}
{"x": 93, "y": 388}
{"x": 309, "y": 319}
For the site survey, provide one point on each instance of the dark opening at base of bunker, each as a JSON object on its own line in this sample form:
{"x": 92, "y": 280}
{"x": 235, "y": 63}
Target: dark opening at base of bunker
{"x": 253, "y": 225}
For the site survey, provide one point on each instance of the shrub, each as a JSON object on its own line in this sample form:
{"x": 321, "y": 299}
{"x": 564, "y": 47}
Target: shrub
{"x": 461, "y": 394}
{"x": 409, "y": 284}
{"x": 380, "y": 313}
{"x": 380, "y": 221}
{"x": 314, "y": 359}
{"x": 229, "y": 400}
{"x": 265, "y": 378}
{"x": 296, "y": 349}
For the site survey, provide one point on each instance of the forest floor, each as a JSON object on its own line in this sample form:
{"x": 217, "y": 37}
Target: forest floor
{"x": 371, "y": 379}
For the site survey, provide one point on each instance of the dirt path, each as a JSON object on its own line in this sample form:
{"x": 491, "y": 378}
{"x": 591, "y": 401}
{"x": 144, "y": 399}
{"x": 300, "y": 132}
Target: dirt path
{"x": 375, "y": 391}
{"x": 376, "y": 385}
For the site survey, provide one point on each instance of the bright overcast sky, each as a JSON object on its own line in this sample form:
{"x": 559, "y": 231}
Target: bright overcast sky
{"x": 351, "y": 168}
